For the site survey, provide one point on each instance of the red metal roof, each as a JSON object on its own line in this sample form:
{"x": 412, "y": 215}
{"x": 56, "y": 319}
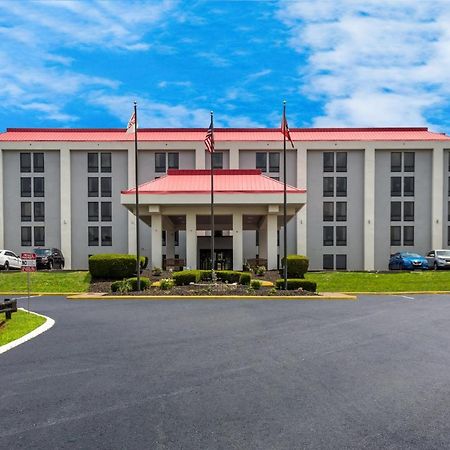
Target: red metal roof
{"x": 220, "y": 134}
{"x": 233, "y": 181}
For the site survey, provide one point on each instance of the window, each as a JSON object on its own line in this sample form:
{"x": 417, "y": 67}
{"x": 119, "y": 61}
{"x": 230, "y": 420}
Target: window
{"x": 92, "y": 211}
{"x": 341, "y": 235}
{"x": 106, "y": 186}
{"x": 408, "y": 211}
{"x": 25, "y": 236}
{"x": 278, "y": 238}
{"x": 396, "y": 211}
{"x": 38, "y": 186}
{"x": 92, "y": 236}
{"x": 257, "y": 238}
{"x": 25, "y": 211}
{"x": 38, "y": 162}
{"x": 39, "y": 236}
{"x": 341, "y": 186}
{"x": 173, "y": 160}
{"x": 328, "y": 262}
{"x": 396, "y": 186}
{"x": 396, "y": 162}
{"x": 328, "y": 186}
{"x": 341, "y": 211}
{"x": 448, "y": 211}
{"x": 160, "y": 162}
{"x": 341, "y": 162}
{"x": 177, "y": 238}
{"x": 396, "y": 235}
{"x": 92, "y": 162}
{"x": 105, "y": 161}
{"x": 328, "y": 162}
{"x": 328, "y": 238}
{"x": 25, "y": 163}
{"x": 92, "y": 186}
{"x": 408, "y": 235}
{"x": 274, "y": 162}
{"x": 408, "y": 186}
{"x": 106, "y": 211}
{"x": 25, "y": 187}
{"x": 106, "y": 236}
{"x": 408, "y": 161}
{"x": 261, "y": 161}
{"x": 163, "y": 238}
{"x": 39, "y": 211}
{"x": 328, "y": 211}
{"x": 217, "y": 159}
{"x": 341, "y": 262}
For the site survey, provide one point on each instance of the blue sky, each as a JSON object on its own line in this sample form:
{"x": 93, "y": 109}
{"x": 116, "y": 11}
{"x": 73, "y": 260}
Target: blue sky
{"x": 337, "y": 63}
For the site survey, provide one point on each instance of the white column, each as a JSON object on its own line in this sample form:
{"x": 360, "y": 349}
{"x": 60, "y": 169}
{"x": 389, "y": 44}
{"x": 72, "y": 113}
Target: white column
{"x": 302, "y": 181}
{"x": 131, "y": 216}
{"x": 238, "y": 250}
{"x": 170, "y": 244}
{"x": 2, "y": 226}
{"x": 437, "y": 197}
{"x": 65, "y": 206}
{"x": 191, "y": 240}
{"x": 156, "y": 260}
{"x": 200, "y": 157}
{"x": 369, "y": 208}
{"x": 234, "y": 157}
{"x": 263, "y": 239}
{"x": 272, "y": 249}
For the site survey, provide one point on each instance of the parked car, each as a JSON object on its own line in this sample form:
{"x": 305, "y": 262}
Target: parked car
{"x": 9, "y": 260}
{"x": 407, "y": 261}
{"x": 439, "y": 259}
{"x": 49, "y": 258}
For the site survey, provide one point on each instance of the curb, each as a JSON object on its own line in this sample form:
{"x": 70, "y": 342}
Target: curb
{"x": 40, "y": 294}
{"x": 32, "y": 334}
{"x": 398, "y": 293}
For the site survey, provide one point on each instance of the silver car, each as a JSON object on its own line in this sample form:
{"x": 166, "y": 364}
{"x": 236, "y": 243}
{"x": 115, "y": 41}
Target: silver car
{"x": 438, "y": 259}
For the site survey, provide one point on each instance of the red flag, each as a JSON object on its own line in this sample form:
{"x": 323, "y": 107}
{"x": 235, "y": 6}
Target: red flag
{"x": 285, "y": 129}
{"x": 209, "y": 139}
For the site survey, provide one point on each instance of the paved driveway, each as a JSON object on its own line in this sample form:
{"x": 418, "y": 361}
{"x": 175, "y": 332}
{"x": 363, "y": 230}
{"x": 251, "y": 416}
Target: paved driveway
{"x": 232, "y": 374}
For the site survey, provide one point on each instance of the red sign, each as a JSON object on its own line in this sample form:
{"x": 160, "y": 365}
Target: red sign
{"x": 28, "y": 262}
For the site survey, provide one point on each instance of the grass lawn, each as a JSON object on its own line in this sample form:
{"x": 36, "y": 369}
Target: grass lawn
{"x": 381, "y": 282}
{"x": 20, "y": 324}
{"x": 45, "y": 282}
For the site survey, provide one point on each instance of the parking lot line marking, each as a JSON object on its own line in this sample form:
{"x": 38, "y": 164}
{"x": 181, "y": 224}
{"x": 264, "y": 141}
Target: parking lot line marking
{"x": 405, "y": 296}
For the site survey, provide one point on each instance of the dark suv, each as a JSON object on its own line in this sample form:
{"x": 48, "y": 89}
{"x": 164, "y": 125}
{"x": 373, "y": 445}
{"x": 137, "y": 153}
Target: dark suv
{"x": 49, "y": 258}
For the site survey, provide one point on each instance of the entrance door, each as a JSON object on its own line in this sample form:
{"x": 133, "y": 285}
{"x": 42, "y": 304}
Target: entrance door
{"x": 223, "y": 259}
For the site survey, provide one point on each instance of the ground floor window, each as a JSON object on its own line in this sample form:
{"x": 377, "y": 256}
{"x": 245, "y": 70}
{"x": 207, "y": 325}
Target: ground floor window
{"x": 331, "y": 262}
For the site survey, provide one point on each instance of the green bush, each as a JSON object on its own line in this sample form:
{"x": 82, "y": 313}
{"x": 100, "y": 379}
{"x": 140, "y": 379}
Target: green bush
{"x": 156, "y": 271}
{"x": 297, "y": 266}
{"x": 121, "y": 286}
{"x": 260, "y": 271}
{"x": 228, "y": 276}
{"x": 245, "y": 278}
{"x": 297, "y": 283}
{"x": 186, "y": 276}
{"x": 144, "y": 262}
{"x": 255, "y": 284}
{"x": 205, "y": 275}
{"x": 165, "y": 284}
{"x": 145, "y": 283}
{"x": 112, "y": 266}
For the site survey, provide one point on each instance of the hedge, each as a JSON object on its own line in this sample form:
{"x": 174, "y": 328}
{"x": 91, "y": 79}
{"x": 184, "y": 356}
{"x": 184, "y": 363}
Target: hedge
{"x": 297, "y": 266}
{"x": 205, "y": 275}
{"x": 229, "y": 276}
{"x": 113, "y": 266}
{"x": 297, "y": 283}
{"x": 145, "y": 283}
{"x": 186, "y": 276}
{"x": 245, "y": 278}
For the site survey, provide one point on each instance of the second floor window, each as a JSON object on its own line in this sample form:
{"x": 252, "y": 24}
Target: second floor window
{"x": 217, "y": 158}
{"x": 38, "y": 162}
{"x": 92, "y": 162}
{"x": 173, "y": 160}
{"x": 328, "y": 238}
{"x": 160, "y": 162}
{"x": 25, "y": 162}
{"x": 25, "y": 236}
{"x": 105, "y": 162}
{"x": 274, "y": 162}
{"x": 328, "y": 162}
{"x": 396, "y": 162}
{"x": 341, "y": 162}
{"x": 341, "y": 235}
{"x": 261, "y": 161}
{"x": 39, "y": 236}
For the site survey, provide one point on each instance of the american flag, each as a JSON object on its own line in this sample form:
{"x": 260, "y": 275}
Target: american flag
{"x": 131, "y": 127}
{"x": 285, "y": 129}
{"x": 209, "y": 139}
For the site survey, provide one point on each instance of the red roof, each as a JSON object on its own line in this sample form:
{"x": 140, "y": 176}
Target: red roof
{"x": 220, "y": 134}
{"x": 235, "y": 181}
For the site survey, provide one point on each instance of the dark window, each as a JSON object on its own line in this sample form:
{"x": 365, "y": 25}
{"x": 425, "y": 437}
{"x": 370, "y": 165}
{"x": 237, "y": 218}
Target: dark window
{"x": 328, "y": 162}
{"x": 106, "y": 236}
{"x": 38, "y": 186}
{"x": 261, "y": 161}
{"x": 39, "y": 211}
{"x": 163, "y": 236}
{"x": 38, "y": 162}
{"x": 274, "y": 162}
{"x": 278, "y": 237}
{"x": 341, "y": 162}
{"x": 92, "y": 162}
{"x": 25, "y": 162}
{"x": 396, "y": 186}
{"x": 328, "y": 238}
{"x": 396, "y": 211}
{"x": 408, "y": 161}
{"x": 448, "y": 211}
{"x": 39, "y": 236}
{"x": 177, "y": 238}
{"x": 341, "y": 262}
{"x": 217, "y": 159}
{"x": 328, "y": 186}
{"x": 160, "y": 162}
{"x": 328, "y": 262}
{"x": 25, "y": 187}
{"x": 341, "y": 235}
{"x": 25, "y": 211}
{"x": 396, "y": 162}
{"x": 106, "y": 186}
{"x": 396, "y": 235}
{"x": 173, "y": 160}
{"x": 25, "y": 236}
{"x": 408, "y": 211}
{"x": 92, "y": 211}
{"x": 341, "y": 211}
{"x": 92, "y": 236}
{"x": 328, "y": 211}
{"x": 105, "y": 161}
{"x": 92, "y": 186}
{"x": 408, "y": 235}
{"x": 106, "y": 211}
{"x": 408, "y": 186}
{"x": 341, "y": 186}
{"x": 257, "y": 238}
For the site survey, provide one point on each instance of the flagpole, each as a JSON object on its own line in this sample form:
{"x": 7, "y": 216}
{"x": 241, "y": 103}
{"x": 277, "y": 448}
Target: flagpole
{"x": 212, "y": 201}
{"x": 284, "y": 199}
{"x": 138, "y": 256}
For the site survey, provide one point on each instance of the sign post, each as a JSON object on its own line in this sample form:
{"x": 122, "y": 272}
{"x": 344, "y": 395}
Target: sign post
{"x": 28, "y": 265}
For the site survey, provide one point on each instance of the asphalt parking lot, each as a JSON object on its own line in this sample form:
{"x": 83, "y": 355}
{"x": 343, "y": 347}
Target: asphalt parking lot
{"x": 374, "y": 373}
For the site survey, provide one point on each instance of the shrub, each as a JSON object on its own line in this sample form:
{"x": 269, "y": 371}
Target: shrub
{"x": 112, "y": 266}
{"x": 297, "y": 266}
{"x": 144, "y": 262}
{"x": 260, "y": 271}
{"x": 186, "y": 276}
{"x": 156, "y": 271}
{"x": 245, "y": 278}
{"x": 205, "y": 275}
{"x": 255, "y": 284}
{"x": 145, "y": 283}
{"x": 229, "y": 276}
{"x": 121, "y": 286}
{"x": 165, "y": 284}
{"x": 297, "y": 283}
